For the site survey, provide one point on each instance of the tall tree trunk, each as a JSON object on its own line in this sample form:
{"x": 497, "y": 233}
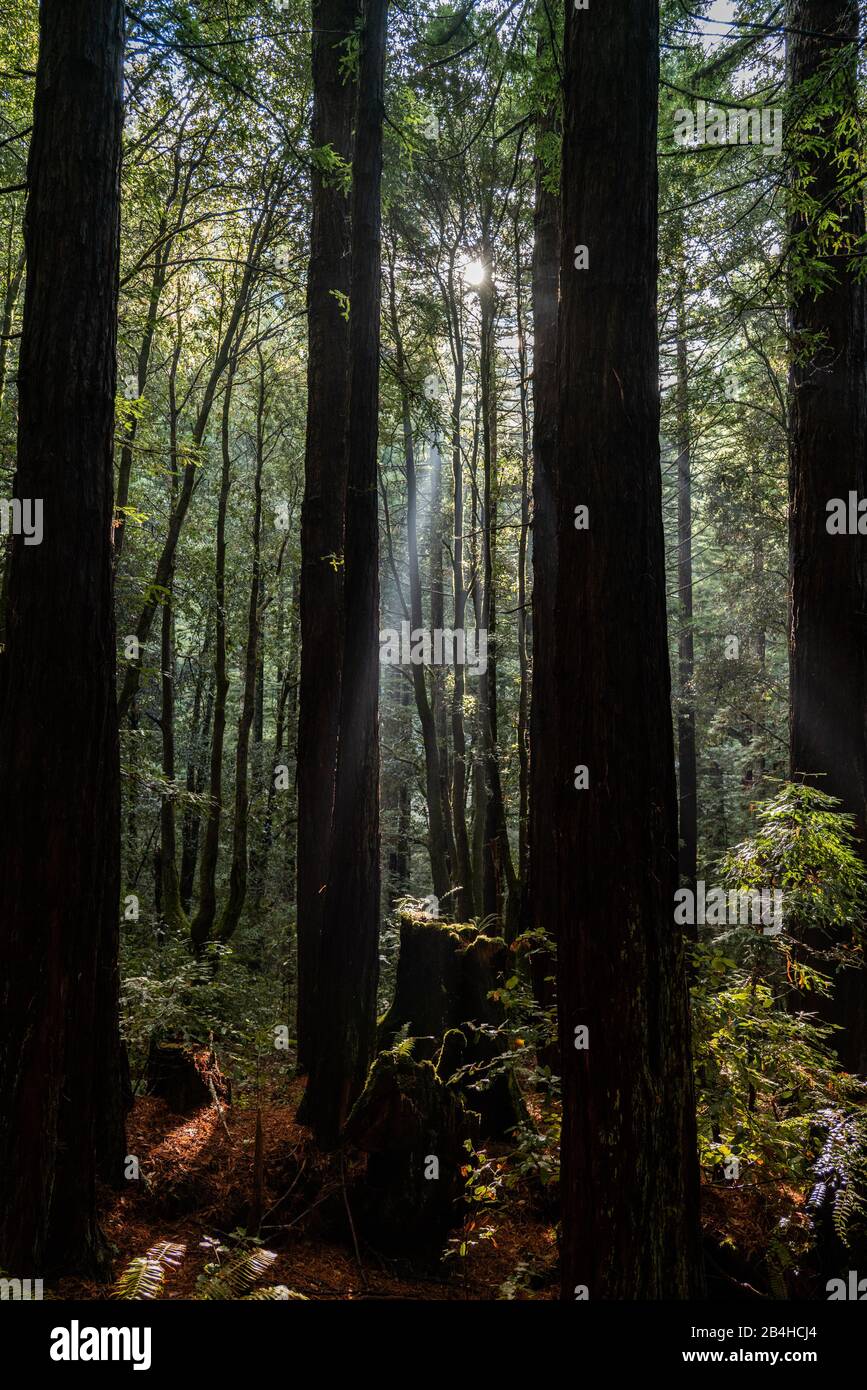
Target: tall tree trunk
{"x": 324, "y": 507}
{"x": 465, "y": 906}
{"x": 202, "y": 924}
{"x": 349, "y": 955}
{"x": 523, "y": 623}
{"x": 172, "y": 908}
{"x": 828, "y": 456}
{"x": 538, "y": 897}
{"x": 60, "y": 1054}
{"x": 437, "y": 622}
{"x": 231, "y": 914}
{"x": 629, "y": 1162}
{"x": 500, "y": 884}
{"x": 437, "y": 845}
{"x": 686, "y": 751}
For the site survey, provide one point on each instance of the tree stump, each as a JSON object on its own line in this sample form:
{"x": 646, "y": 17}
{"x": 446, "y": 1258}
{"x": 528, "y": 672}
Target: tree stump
{"x": 445, "y": 975}
{"x": 182, "y": 1075}
{"x": 413, "y": 1129}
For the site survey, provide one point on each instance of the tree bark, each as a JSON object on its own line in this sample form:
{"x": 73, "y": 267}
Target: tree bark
{"x": 324, "y": 507}
{"x": 203, "y": 922}
{"x": 60, "y": 1055}
{"x": 629, "y": 1173}
{"x": 349, "y": 954}
{"x": 538, "y": 896}
{"x": 231, "y": 914}
{"x": 687, "y": 786}
{"x": 828, "y": 459}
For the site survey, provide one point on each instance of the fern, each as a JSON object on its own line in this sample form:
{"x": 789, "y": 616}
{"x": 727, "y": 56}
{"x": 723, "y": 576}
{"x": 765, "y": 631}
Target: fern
{"x": 236, "y": 1278}
{"x": 145, "y": 1276}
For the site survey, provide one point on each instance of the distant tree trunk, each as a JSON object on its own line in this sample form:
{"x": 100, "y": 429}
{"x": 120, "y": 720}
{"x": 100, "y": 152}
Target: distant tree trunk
{"x": 538, "y": 896}
{"x": 500, "y": 883}
{"x": 231, "y": 914}
{"x": 323, "y": 512}
{"x": 465, "y": 907}
{"x": 437, "y": 844}
{"x": 60, "y": 1055}
{"x": 828, "y": 457}
{"x": 202, "y": 923}
{"x": 170, "y": 888}
{"x": 523, "y": 601}
{"x": 200, "y": 727}
{"x": 170, "y": 883}
{"x": 349, "y": 956}
{"x": 629, "y": 1175}
{"x": 437, "y": 622}
{"x": 686, "y": 752}
{"x": 10, "y": 299}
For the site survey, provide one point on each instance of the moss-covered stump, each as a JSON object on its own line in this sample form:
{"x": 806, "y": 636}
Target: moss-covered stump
{"x": 413, "y": 1129}
{"x": 183, "y": 1076}
{"x": 445, "y": 976}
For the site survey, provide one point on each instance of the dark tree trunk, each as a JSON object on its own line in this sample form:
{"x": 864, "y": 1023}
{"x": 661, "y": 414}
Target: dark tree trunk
{"x": 199, "y": 731}
{"x": 686, "y": 752}
{"x": 60, "y": 1057}
{"x": 538, "y": 896}
{"x": 629, "y": 1163}
{"x": 349, "y": 954}
{"x": 828, "y": 459}
{"x": 170, "y": 887}
{"x": 499, "y": 880}
{"x": 465, "y": 906}
{"x": 323, "y": 511}
{"x": 202, "y": 924}
{"x": 231, "y": 914}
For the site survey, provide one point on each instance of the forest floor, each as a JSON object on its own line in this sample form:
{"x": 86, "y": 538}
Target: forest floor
{"x": 197, "y": 1182}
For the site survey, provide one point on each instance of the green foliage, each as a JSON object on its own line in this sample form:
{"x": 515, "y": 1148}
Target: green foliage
{"x": 765, "y": 1069}
{"x": 804, "y": 846}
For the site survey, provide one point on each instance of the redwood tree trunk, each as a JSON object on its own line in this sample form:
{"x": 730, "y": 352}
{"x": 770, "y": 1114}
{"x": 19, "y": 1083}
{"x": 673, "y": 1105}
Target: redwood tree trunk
{"x": 60, "y": 1058}
{"x": 349, "y": 954}
{"x": 323, "y": 511}
{"x": 629, "y": 1163}
{"x": 828, "y": 459}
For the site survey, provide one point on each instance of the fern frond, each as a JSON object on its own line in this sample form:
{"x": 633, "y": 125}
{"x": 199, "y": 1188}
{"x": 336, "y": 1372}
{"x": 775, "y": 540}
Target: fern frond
{"x": 145, "y": 1276}
{"x": 238, "y": 1275}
